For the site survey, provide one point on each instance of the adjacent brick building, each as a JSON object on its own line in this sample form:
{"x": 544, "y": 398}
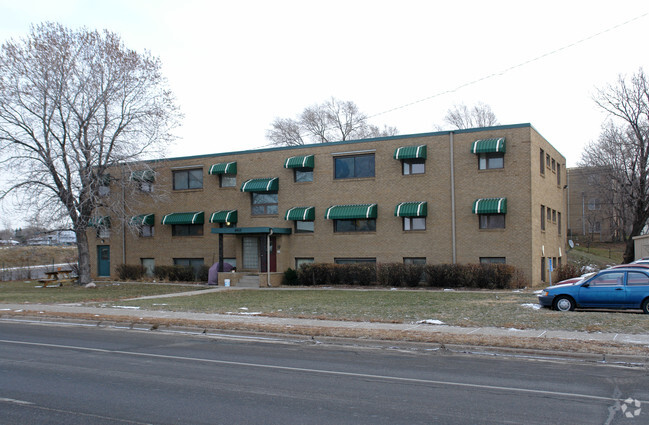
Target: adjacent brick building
{"x": 491, "y": 194}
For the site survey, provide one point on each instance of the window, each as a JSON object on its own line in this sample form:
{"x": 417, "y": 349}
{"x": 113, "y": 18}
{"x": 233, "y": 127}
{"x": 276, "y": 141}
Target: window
{"x": 542, "y": 217}
{"x": 490, "y": 161}
{"x": 354, "y": 260}
{"x": 227, "y": 180}
{"x": 595, "y": 227}
{"x": 414, "y": 260}
{"x": 357, "y": 166}
{"x": 593, "y": 204}
{"x": 145, "y": 186}
{"x": 554, "y": 216}
{"x": 103, "y": 232}
{"x": 492, "y": 221}
{"x": 559, "y": 221}
{"x": 543, "y": 269}
{"x": 303, "y": 174}
{"x": 554, "y": 166}
{"x": 414, "y": 223}
{"x": 547, "y": 160}
{"x": 304, "y": 226}
{"x": 355, "y": 225}
{"x": 492, "y": 260}
{"x": 146, "y": 231}
{"x": 186, "y": 230}
{"x": 636, "y": 279}
{"x": 148, "y": 264}
{"x": 414, "y": 166}
{"x": 549, "y": 213}
{"x": 194, "y": 263}
{"x": 558, "y": 174}
{"x": 542, "y": 159}
{"x": 188, "y": 179}
{"x": 300, "y": 261}
{"x": 264, "y": 203}
{"x": 608, "y": 279}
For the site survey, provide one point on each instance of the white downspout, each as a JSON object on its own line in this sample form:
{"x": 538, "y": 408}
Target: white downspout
{"x": 270, "y": 233}
{"x": 453, "y": 242}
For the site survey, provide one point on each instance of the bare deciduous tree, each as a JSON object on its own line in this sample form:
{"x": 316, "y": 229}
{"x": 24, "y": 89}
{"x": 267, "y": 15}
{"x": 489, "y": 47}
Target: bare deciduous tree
{"x": 330, "y": 121}
{"x": 73, "y": 104}
{"x": 462, "y": 117}
{"x": 623, "y": 150}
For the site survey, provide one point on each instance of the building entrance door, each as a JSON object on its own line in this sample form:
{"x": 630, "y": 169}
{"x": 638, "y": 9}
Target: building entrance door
{"x": 103, "y": 260}
{"x": 255, "y": 253}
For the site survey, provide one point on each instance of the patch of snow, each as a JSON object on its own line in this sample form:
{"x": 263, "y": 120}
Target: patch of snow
{"x": 251, "y": 313}
{"x": 128, "y": 307}
{"x": 430, "y": 322}
{"x": 538, "y": 292}
{"x": 449, "y": 290}
{"x": 514, "y": 330}
{"x": 161, "y": 304}
{"x": 531, "y": 305}
{"x": 243, "y": 308}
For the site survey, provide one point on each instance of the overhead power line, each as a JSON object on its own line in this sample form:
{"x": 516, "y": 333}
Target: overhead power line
{"x": 519, "y": 65}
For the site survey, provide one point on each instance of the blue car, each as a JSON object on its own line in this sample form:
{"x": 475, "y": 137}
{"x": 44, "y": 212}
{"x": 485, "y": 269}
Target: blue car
{"x": 617, "y": 287}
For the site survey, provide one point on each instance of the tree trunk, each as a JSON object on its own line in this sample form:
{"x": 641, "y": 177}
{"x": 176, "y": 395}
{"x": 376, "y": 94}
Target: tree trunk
{"x": 84, "y": 257}
{"x": 629, "y": 251}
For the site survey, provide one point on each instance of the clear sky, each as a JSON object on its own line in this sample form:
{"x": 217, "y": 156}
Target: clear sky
{"x": 235, "y": 66}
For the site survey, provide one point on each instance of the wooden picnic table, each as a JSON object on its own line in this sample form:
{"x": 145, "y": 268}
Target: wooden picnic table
{"x": 55, "y": 278}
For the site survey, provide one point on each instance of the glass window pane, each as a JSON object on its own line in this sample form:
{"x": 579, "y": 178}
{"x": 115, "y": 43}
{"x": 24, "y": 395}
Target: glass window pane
{"x": 418, "y": 168}
{"x": 344, "y": 167}
{"x": 344, "y": 225}
{"x": 304, "y": 226}
{"x": 228, "y": 180}
{"x": 303, "y": 175}
{"x": 180, "y": 180}
{"x": 496, "y": 161}
{"x": 364, "y": 166}
{"x": 637, "y": 278}
{"x": 195, "y": 179}
{"x": 418, "y": 223}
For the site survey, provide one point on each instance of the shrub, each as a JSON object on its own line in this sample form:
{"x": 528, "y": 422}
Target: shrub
{"x": 564, "y": 272}
{"x": 290, "y": 277}
{"x": 203, "y": 274}
{"x": 130, "y": 271}
{"x": 483, "y": 276}
{"x": 399, "y": 274}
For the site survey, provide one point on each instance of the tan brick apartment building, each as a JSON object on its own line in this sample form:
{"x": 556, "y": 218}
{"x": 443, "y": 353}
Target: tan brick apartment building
{"x": 479, "y": 195}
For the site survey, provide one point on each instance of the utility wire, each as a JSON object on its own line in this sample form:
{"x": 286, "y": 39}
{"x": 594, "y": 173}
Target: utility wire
{"x": 519, "y": 65}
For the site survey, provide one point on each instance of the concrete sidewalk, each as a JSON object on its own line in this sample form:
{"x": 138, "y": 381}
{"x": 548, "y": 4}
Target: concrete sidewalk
{"x": 253, "y": 318}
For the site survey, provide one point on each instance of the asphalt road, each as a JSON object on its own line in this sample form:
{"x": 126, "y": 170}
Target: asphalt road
{"x": 84, "y": 375}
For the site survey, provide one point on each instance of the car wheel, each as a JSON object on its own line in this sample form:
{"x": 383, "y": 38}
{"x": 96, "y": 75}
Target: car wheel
{"x": 645, "y": 306}
{"x": 564, "y": 303}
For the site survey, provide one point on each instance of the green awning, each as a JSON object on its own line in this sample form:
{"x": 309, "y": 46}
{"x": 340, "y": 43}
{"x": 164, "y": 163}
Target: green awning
{"x": 300, "y": 214}
{"x": 261, "y": 185}
{"x": 143, "y": 219}
{"x": 411, "y": 209}
{"x": 410, "y": 152}
{"x": 224, "y": 168}
{"x": 489, "y": 146}
{"x": 343, "y": 212}
{"x": 99, "y": 221}
{"x": 300, "y": 162}
{"x": 490, "y": 206}
{"x": 184, "y": 218}
{"x": 224, "y": 216}
{"x": 252, "y": 230}
{"x": 143, "y": 176}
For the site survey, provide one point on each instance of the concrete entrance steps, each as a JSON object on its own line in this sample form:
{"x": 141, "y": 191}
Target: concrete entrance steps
{"x": 248, "y": 281}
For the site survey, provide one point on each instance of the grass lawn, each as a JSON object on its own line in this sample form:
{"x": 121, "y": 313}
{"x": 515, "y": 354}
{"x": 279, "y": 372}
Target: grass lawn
{"x": 480, "y": 308}
{"x": 29, "y": 292}
{"x": 507, "y": 309}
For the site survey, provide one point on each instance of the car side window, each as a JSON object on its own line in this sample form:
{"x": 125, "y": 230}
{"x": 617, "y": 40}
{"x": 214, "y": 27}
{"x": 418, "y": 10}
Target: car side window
{"x": 608, "y": 279}
{"x": 637, "y": 279}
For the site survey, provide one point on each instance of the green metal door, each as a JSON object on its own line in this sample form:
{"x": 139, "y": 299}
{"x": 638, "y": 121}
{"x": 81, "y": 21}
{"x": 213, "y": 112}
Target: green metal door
{"x": 103, "y": 260}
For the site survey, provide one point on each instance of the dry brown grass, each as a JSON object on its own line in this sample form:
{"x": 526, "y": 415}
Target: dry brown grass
{"x": 549, "y": 346}
{"x": 25, "y": 256}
